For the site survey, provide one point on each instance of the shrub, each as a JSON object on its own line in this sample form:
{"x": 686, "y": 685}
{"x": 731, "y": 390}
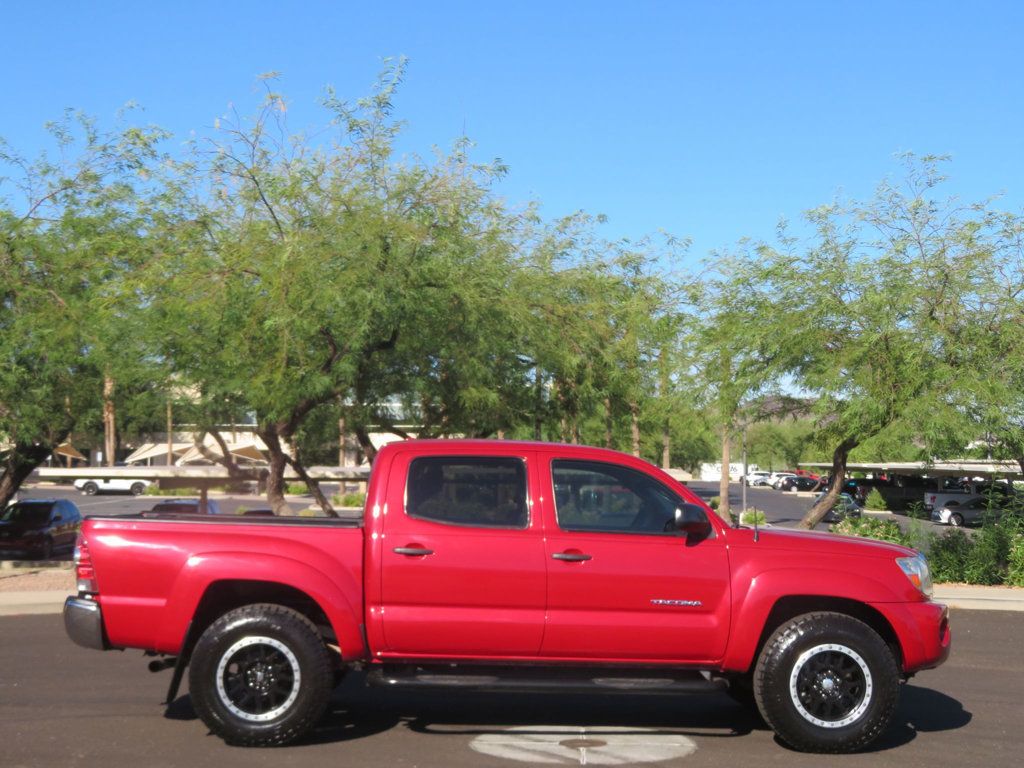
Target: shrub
{"x": 241, "y": 510}
{"x": 154, "y": 490}
{"x": 752, "y": 516}
{"x": 916, "y": 510}
{"x": 872, "y": 528}
{"x": 987, "y": 559}
{"x": 349, "y": 500}
{"x": 296, "y": 489}
{"x": 1015, "y": 562}
{"x": 948, "y": 554}
{"x": 713, "y": 502}
{"x": 875, "y": 500}
{"x": 311, "y": 512}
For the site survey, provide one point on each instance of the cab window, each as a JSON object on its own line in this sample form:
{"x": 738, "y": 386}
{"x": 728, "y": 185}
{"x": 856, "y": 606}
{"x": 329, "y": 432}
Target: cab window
{"x": 478, "y": 491}
{"x": 598, "y": 497}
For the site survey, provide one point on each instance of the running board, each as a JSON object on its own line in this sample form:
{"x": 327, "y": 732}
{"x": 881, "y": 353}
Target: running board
{"x": 546, "y": 679}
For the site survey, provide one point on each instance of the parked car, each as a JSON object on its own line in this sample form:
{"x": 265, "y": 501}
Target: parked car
{"x": 991, "y": 503}
{"x": 798, "y": 483}
{"x": 844, "y": 507}
{"x": 757, "y": 477}
{"x": 960, "y": 492}
{"x": 184, "y": 507}
{"x": 39, "y": 527}
{"x": 779, "y": 477}
{"x": 90, "y": 486}
{"x": 616, "y": 578}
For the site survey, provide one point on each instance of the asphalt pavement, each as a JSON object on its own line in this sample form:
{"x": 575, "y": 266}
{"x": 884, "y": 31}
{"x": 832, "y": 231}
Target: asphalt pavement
{"x": 61, "y": 705}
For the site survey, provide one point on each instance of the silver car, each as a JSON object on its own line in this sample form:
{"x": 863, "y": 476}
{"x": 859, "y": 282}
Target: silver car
{"x": 973, "y": 511}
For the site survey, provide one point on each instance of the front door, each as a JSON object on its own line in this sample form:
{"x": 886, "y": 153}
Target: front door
{"x": 463, "y": 571}
{"x": 623, "y": 584}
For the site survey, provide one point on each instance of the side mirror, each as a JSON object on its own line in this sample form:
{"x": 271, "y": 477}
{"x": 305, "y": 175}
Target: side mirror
{"x": 692, "y": 520}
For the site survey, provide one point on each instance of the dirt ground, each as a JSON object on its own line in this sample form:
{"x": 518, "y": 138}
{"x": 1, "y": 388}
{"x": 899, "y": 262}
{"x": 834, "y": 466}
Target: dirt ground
{"x": 31, "y": 580}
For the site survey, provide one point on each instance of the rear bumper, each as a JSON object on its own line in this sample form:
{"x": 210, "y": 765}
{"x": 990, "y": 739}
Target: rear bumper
{"x": 83, "y": 621}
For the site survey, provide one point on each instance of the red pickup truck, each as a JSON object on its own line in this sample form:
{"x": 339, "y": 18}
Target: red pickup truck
{"x": 519, "y": 566}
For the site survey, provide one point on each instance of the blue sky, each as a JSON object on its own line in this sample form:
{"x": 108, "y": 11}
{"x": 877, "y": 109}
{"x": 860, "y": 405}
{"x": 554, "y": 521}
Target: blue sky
{"x": 709, "y": 120}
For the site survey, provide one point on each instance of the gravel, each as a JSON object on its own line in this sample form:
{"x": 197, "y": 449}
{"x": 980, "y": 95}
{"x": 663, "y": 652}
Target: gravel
{"x": 43, "y": 579}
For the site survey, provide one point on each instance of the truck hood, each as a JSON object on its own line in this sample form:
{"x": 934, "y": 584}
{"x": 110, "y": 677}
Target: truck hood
{"x": 828, "y": 543}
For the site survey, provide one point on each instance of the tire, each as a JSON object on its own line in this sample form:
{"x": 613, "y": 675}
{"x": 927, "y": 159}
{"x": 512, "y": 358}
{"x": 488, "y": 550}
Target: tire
{"x": 956, "y": 520}
{"x": 260, "y": 676}
{"x": 46, "y": 549}
{"x": 90, "y": 489}
{"x": 826, "y": 682}
{"x": 137, "y": 489}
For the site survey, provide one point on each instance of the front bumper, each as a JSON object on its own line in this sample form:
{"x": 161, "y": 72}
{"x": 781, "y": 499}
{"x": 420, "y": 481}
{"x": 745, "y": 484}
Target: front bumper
{"x": 83, "y": 621}
{"x": 923, "y": 632}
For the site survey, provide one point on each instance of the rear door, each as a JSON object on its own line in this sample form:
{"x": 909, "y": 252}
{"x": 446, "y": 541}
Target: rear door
{"x": 462, "y": 561}
{"x": 622, "y": 583}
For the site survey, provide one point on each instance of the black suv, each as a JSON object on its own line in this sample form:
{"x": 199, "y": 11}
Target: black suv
{"x": 39, "y": 527}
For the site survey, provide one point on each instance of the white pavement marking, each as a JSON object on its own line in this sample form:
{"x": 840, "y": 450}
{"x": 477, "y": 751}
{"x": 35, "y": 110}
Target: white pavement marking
{"x": 567, "y": 745}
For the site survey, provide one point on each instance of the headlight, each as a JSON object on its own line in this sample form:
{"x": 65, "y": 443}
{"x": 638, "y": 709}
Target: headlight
{"x": 916, "y": 569}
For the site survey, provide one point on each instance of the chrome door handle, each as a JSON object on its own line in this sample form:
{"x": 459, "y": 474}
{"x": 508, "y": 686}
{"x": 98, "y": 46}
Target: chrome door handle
{"x": 571, "y": 557}
{"x": 413, "y": 551}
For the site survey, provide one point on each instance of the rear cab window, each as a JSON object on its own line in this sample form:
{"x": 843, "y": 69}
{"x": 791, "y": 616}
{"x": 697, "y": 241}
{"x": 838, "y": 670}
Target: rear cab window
{"x": 477, "y": 491}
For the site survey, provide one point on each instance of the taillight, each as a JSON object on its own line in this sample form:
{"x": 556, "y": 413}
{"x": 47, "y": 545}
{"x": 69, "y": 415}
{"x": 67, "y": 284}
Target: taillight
{"x": 85, "y": 575}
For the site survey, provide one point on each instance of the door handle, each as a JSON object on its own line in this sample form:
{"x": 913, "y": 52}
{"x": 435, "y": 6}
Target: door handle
{"x": 413, "y": 551}
{"x": 572, "y": 557}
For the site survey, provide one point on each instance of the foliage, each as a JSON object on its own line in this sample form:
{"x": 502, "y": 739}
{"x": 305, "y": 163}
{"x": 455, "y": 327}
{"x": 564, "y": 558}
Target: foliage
{"x": 350, "y": 500}
{"x": 916, "y": 511}
{"x": 714, "y": 502}
{"x": 872, "y": 528}
{"x": 1015, "y": 562}
{"x": 948, "y": 554}
{"x": 156, "y": 490}
{"x": 751, "y": 516}
{"x": 875, "y": 501}
{"x": 297, "y": 489}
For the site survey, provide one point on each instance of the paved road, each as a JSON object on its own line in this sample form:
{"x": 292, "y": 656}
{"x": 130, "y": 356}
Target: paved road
{"x": 61, "y": 705}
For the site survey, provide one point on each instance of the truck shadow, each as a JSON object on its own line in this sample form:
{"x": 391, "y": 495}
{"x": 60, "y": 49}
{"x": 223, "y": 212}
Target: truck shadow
{"x": 357, "y": 711}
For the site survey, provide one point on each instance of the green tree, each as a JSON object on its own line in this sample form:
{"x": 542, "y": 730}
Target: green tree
{"x": 71, "y": 231}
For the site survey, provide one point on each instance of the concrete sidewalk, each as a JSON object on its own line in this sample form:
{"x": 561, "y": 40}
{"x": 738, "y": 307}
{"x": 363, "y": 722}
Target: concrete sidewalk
{"x": 960, "y": 596}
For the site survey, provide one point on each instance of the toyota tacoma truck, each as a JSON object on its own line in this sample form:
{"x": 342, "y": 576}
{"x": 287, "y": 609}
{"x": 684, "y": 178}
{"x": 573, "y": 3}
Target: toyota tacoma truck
{"x": 501, "y": 565}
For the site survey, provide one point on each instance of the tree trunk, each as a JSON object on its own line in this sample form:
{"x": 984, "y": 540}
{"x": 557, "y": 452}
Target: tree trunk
{"x": 666, "y": 447}
{"x": 538, "y": 406}
{"x": 839, "y": 459}
{"x": 313, "y": 485}
{"x": 608, "y": 423}
{"x": 365, "y": 444}
{"x": 275, "y": 472}
{"x": 342, "y": 439}
{"x": 21, "y": 461}
{"x": 634, "y": 427}
{"x": 723, "y": 484}
{"x": 109, "y": 423}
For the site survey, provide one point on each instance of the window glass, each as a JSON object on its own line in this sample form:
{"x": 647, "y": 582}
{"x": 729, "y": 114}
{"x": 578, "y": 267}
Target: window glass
{"x": 591, "y": 496}
{"x": 468, "y": 490}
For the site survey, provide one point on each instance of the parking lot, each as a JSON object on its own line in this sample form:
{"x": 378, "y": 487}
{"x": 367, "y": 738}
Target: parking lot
{"x": 61, "y": 705}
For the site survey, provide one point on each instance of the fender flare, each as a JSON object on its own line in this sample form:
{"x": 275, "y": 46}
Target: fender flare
{"x": 751, "y": 609}
{"x": 201, "y": 571}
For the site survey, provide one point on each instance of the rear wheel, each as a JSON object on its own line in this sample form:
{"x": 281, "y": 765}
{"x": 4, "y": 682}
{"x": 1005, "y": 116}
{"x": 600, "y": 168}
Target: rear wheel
{"x": 826, "y": 682}
{"x": 46, "y": 549}
{"x": 260, "y": 676}
{"x": 137, "y": 488}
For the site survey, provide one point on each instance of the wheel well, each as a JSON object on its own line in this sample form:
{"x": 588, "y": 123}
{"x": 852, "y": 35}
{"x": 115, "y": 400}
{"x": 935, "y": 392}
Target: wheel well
{"x": 223, "y": 596}
{"x": 791, "y": 606}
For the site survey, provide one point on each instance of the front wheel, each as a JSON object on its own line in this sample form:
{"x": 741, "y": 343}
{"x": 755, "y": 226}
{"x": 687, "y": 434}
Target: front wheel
{"x": 137, "y": 489}
{"x": 956, "y": 519}
{"x": 260, "y": 676}
{"x": 826, "y": 682}
{"x": 90, "y": 489}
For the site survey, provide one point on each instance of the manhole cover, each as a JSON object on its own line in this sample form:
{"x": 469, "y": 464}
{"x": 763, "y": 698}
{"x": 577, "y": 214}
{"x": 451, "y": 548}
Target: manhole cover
{"x": 559, "y": 745}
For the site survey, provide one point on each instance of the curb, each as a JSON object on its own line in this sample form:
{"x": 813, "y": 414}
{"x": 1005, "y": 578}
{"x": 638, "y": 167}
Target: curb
{"x": 33, "y": 603}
